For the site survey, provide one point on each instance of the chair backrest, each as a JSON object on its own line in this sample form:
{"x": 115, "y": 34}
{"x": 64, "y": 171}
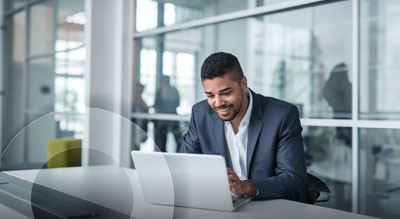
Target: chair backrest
{"x": 317, "y": 191}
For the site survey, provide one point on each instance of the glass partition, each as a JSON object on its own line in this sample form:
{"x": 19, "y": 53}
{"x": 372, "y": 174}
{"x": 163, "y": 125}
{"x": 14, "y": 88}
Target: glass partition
{"x": 298, "y": 56}
{"x": 15, "y": 69}
{"x": 46, "y": 64}
{"x": 328, "y": 156}
{"x": 41, "y": 31}
{"x": 14, "y": 4}
{"x": 154, "y": 13}
{"x": 379, "y": 172}
{"x": 379, "y": 74}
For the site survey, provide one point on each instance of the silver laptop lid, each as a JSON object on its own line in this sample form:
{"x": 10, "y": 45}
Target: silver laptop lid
{"x": 199, "y": 181}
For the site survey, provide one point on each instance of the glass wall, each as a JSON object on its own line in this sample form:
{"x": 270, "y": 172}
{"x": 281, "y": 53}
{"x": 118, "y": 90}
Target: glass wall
{"x": 154, "y": 13}
{"x": 304, "y": 55}
{"x": 14, "y": 4}
{"x": 380, "y": 172}
{"x": 328, "y": 156}
{"x": 43, "y": 73}
{"x": 281, "y": 57}
{"x": 379, "y": 100}
{"x": 379, "y": 73}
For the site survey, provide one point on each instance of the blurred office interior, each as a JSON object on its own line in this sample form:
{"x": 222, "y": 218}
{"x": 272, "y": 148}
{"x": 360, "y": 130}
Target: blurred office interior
{"x": 334, "y": 59}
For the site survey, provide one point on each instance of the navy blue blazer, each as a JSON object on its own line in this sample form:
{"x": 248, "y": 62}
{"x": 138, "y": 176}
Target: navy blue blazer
{"x": 275, "y": 153}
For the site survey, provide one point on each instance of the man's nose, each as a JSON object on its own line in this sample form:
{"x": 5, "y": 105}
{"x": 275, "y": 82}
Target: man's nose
{"x": 219, "y": 101}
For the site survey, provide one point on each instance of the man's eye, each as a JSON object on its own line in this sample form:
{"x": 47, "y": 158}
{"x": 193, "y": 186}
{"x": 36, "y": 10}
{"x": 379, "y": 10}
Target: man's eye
{"x": 210, "y": 96}
{"x": 227, "y": 93}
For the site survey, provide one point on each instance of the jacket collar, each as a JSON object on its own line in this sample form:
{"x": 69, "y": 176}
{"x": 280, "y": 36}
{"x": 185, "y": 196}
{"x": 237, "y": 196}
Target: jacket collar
{"x": 255, "y": 127}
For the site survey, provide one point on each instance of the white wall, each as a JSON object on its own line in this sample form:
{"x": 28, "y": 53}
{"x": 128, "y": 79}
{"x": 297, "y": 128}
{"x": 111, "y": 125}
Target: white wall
{"x": 109, "y": 43}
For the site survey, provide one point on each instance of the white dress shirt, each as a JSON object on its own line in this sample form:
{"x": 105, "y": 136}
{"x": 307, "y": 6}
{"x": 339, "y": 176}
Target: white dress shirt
{"x": 237, "y": 144}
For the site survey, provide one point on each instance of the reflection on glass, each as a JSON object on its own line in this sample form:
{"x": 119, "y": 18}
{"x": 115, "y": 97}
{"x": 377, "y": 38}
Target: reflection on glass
{"x": 174, "y": 13}
{"x": 166, "y": 101}
{"x": 380, "y": 172}
{"x": 40, "y": 81}
{"x": 69, "y": 70}
{"x": 148, "y": 77}
{"x": 168, "y": 139}
{"x": 329, "y": 158}
{"x": 298, "y": 56}
{"x": 337, "y": 92}
{"x": 71, "y": 21}
{"x": 14, "y": 4}
{"x": 41, "y": 33}
{"x": 149, "y": 12}
{"x": 146, "y": 14}
{"x": 40, "y": 99}
{"x": 185, "y": 81}
{"x": 293, "y": 54}
{"x": 379, "y": 66}
{"x": 15, "y": 76}
{"x": 140, "y": 106}
{"x": 70, "y": 64}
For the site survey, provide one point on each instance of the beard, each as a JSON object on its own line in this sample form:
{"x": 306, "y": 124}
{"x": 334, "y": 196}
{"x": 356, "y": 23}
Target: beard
{"x": 235, "y": 112}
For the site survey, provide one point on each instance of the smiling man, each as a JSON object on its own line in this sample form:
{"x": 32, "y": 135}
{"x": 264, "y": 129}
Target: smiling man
{"x": 259, "y": 137}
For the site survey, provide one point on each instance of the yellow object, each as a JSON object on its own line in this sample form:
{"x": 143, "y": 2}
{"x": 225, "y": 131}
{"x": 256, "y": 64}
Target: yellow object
{"x": 64, "y": 152}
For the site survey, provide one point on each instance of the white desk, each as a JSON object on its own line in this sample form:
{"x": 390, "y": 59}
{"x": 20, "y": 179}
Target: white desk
{"x": 112, "y": 187}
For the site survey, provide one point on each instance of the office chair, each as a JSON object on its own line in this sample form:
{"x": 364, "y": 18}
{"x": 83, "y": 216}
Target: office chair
{"x": 317, "y": 191}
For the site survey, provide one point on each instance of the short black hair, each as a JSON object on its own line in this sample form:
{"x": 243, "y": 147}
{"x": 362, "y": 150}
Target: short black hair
{"x": 221, "y": 63}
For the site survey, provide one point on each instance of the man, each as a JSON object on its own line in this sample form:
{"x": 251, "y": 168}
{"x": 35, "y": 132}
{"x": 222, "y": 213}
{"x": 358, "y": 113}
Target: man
{"x": 139, "y": 106}
{"x": 337, "y": 92}
{"x": 259, "y": 137}
{"x": 166, "y": 101}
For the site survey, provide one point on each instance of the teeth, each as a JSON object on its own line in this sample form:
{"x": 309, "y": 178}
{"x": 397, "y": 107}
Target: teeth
{"x": 225, "y": 109}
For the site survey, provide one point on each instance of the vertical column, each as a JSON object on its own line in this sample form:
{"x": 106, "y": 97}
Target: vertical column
{"x": 355, "y": 96}
{"x": 159, "y": 44}
{"x": 2, "y": 70}
{"x": 108, "y": 39}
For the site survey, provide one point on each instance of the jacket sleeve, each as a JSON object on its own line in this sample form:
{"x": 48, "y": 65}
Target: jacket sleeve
{"x": 290, "y": 181}
{"x": 190, "y": 140}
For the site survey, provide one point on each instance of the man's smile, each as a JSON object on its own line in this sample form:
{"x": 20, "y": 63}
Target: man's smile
{"x": 224, "y": 109}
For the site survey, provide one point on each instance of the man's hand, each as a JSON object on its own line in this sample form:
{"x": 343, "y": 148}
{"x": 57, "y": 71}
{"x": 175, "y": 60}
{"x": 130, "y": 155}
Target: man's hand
{"x": 238, "y": 187}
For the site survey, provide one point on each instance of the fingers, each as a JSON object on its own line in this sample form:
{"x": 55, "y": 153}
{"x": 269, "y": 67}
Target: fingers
{"x": 231, "y": 174}
{"x": 234, "y": 182}
{"x": 234, "y": 191}
{"x": 232, "y": 177}
{"x": 235, "y": 188}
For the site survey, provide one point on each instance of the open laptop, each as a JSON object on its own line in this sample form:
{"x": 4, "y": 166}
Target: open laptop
{"x": 185, "y": 180}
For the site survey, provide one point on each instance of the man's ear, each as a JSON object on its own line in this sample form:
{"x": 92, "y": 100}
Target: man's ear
{"x": 243, "y": 83}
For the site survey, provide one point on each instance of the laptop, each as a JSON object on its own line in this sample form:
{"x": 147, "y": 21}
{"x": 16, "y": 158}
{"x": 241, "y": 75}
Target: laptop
{"x": 185, "y": 180}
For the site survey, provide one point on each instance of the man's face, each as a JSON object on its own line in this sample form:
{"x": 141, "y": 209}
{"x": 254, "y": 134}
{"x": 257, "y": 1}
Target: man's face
{"x": 226, "y": 97}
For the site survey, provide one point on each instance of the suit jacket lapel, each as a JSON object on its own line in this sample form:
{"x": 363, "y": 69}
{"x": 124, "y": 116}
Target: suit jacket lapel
{"x": 255, "y": 127}
{"x": 220, "y": 139}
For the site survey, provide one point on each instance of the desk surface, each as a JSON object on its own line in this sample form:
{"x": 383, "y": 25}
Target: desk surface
{"x": 97, "y": 185}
